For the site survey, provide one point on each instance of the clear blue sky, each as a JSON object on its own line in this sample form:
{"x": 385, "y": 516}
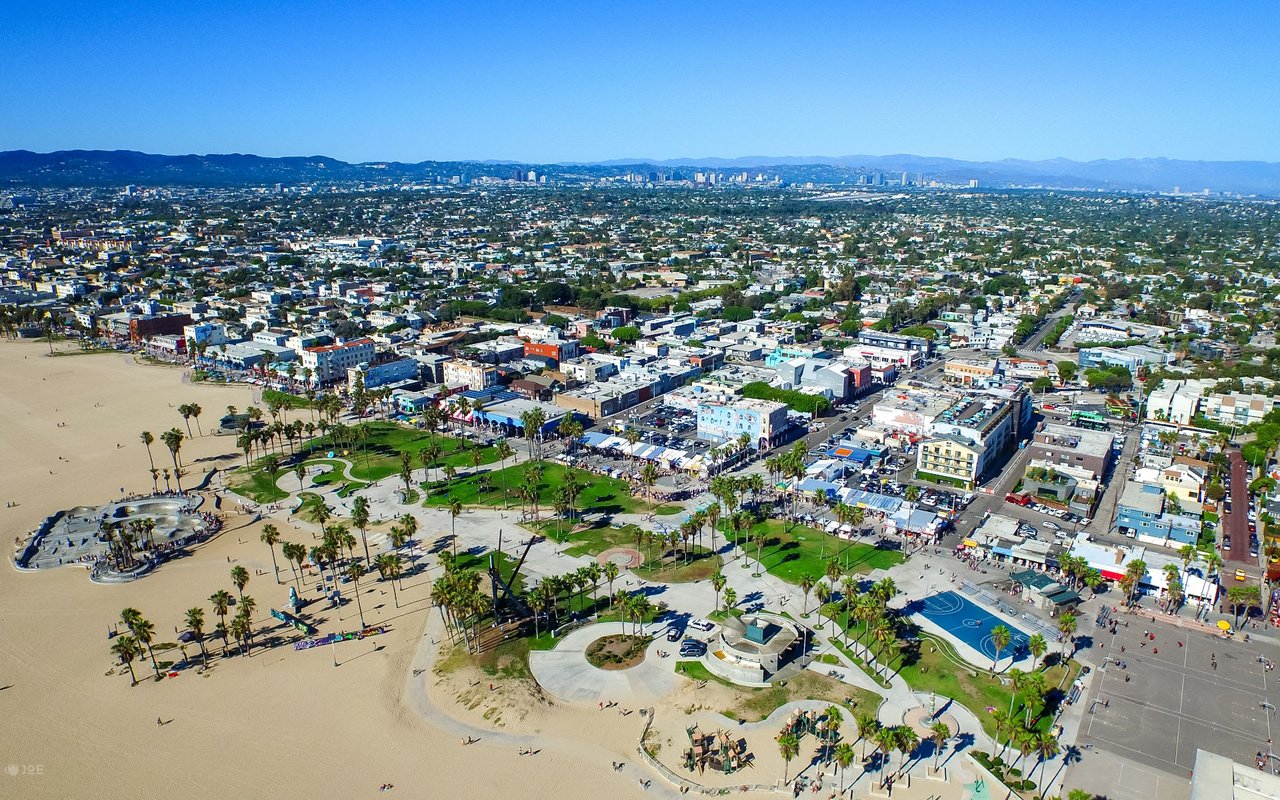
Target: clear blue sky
{"x": 539, "y": 80}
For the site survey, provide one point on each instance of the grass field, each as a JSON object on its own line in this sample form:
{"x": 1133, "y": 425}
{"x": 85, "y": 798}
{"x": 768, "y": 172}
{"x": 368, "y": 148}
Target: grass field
{"x": 599, "y": 494}
{"x": 256, "y": 484}
{"x": 753, "y": 705}
{"x": 792, "y": 553}
{"x": 661, "y": 568}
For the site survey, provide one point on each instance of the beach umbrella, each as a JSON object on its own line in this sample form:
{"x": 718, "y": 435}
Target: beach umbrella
{"x": 1223, "y": 625}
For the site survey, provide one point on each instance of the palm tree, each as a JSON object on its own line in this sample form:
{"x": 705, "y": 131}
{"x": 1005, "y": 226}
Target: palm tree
{"x": 1067, "y": 625}
{"x": 806, "y": 586}
{"x": 240, "y": 577}
{"x": 360, "y": 518}
{"x": 125, "y": 648}
{"x": 144, "y": 630}
{"x": 504, "y": 452}
{"x": 354, "y": 571}
{"x": 717, "y": 583}
{"x": 610, "y": 571}
{"x": 196, "y": 411}
{"x": 389, "y": 566}
{"x": 195, "y": 621}
{"x": 886, "y": 740}
{"x": 868, "y": 725}
{"x": 172, "y": 439}
{"x": 844, "y": 756}
{"x": 455, "y": 509}
{"x": 147, "y": 440}
{"x": 1047, "y": 746}
{"x": 221, "y": 602}
{"x": 912, "y": 493}
{"x": 730, "y": 597}
{"x": 1037, "y": 645}
{"x": 1000, "y": 638}
{"x": 940, "y": 732}
{"x": 905, "y": 741}
{"x": 270, "y": 537}
{"x": 648, "y": 477}
{"x": 789, "y": 748}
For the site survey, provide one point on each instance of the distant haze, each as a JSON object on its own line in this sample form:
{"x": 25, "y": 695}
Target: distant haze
{"x": 20, "y": 168}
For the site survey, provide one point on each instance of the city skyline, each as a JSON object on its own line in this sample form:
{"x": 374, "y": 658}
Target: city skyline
{"x": 664, "y": 82}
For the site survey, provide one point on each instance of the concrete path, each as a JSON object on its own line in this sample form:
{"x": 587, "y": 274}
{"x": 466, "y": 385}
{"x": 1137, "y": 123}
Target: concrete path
{"x": 565, "y": 674}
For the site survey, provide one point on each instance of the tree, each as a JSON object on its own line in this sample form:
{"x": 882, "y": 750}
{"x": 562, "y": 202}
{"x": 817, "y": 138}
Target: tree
{"x": 270, "y": 537}
{"x": 1242, "y": 598}
{"x": 354, "y": 571}
{"x": 455, "y": 509}
{"x": 147, "y": 440}
{"x": 886, "y": 739}
{"x": 868, "y": 726}
{"x": 360, "y": 518}
{"x": 1046, "y": 744}
{"x": 390, "y": 567}
{"x": 905, "y": 741}
{"x": 125, "y": 648}
{"x": 1000, "y": 638}
{"x": 610, "y": 572}
{"x": 144, "y": 630}
{"x": 717, "y": 583}
{"x": 172, "y": 439}
{"x": 789, "y": 748}
{"x": 730, "y": 597}
{"x": 240, "y": 577}
{"x": 195, "y": 622}
{"x": 648, "y": 477}
{"x": 1037, "y": 645}
{"x": 1067, "y": 626}
{"x": 940, "y": 732}
{"x": 844, "y": 756}
{"x": 806, "y": 586}
{"x": 221, "y": 602}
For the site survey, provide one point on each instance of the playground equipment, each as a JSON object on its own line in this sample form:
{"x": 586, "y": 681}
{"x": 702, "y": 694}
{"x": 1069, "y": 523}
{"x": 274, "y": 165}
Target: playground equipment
{"x": 718, "y": 751}
{"x": 298, "y": 624}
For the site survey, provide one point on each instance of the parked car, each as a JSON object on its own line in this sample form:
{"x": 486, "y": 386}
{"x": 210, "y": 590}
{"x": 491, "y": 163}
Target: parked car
{"x": 673, "y": 634}
{"x": 1051, "y": 525}
{"x": 700, "y": 624}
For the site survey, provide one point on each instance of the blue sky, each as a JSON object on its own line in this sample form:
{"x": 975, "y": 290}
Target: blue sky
{"x": 541, "y": 80}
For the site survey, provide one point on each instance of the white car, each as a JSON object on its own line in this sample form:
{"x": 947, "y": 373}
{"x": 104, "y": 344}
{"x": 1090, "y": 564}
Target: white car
{"x": 1053, "y": 526}
{"x": 702, "y": 625}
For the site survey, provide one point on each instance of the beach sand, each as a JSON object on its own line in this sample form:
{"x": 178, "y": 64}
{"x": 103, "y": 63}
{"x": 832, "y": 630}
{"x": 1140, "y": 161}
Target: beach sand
{"x": 278, "y": 724}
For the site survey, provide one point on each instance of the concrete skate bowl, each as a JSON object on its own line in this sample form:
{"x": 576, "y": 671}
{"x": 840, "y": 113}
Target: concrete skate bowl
{"x": 164, "y": 507}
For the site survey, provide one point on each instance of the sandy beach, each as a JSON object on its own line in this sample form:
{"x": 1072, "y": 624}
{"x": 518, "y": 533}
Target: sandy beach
{"x": 278, "y": 724}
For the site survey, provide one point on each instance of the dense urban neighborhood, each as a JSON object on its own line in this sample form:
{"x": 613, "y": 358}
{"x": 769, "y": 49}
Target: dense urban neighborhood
{"x": 964, "y": 442}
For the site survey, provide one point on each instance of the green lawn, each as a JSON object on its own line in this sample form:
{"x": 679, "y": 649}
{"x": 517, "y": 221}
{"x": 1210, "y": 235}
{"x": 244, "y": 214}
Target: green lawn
{"x": 753, "y": 705}
{"x": 928, "y": 663}
{"x": 310, "y": 502}
{"x": 791, "y": 553}
{"x": 256, "y": 484}
{"x": 595, "y": 540}
{"x": 599, "y": 494}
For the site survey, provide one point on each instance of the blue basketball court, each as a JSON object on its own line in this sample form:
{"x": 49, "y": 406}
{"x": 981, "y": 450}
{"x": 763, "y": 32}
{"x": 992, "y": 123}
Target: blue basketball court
{"x": 972, "y": 624}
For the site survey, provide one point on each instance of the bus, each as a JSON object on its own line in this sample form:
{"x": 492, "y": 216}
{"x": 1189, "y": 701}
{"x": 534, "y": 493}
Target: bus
{"x": 1089, "y": 419}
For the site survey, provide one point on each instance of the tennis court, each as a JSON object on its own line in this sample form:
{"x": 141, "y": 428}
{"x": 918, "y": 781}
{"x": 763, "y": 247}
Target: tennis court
{"x": 972, "y": 625}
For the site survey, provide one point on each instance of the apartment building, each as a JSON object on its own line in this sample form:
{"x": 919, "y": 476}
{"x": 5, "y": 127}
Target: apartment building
{"x": 762, "y": 420}
{"x": 329, "y": 363}
{"x": 472, "y": 374}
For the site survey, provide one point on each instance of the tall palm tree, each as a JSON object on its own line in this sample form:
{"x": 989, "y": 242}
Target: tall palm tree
{"x": 1067, "y": 625}
{"x": 648, "y": 477}
{"x": 1047, "y": 746}
{"x": 717, "y": 583}
{"x": 172, "y": 439}
{"x": 147, "y": 440}
{"x": 221, "y": 602}
{"x": 789, "y": 748}
{"x": 455, "y": 510}
{"x": 360, "y": 518}
{"x": 125, "y": 648}
{"x": 240, "y": 577}
{"x": 939, "y": 732}
{"x": 886, "y": 740}
{"x": 844, "y": 756}
{"x": 1000, "y": 638}
{"x": 389, "y": 566}
{"x": 271, "y": 537}
{"x": 195, "y": 621}
{"x": 906, "y": 740}
{"x": 144, "y": 630}
{"x": 610, "y": 572}
{"x": 806, "y": 586}
{"x": 868, "y": 726}
{"x": 354, "y": 571}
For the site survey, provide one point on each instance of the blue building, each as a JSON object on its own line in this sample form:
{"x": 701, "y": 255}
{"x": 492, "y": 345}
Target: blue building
{"x": 763, "y": 421}
{"x": 1140, "y": 513}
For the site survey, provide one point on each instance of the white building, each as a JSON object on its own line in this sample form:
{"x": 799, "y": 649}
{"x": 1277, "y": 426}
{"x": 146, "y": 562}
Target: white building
{"x": 329, "y": 363}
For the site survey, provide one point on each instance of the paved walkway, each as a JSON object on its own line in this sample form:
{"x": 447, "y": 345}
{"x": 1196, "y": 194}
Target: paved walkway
{"x": 565, "y": 674}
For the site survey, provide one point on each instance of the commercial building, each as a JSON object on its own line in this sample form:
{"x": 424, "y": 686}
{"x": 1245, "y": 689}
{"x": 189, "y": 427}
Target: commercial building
{"x": 553, "y": 350}
{"x": 472, "y": 374}
{"x": 399, "y": 371}
{"x": 1063, "y": 446}
{"x": 762, "y": 420}
{"x": 909, "y": 412}
{"x": 894, "y": 341}
{"x": 950, "y": 459}
{"x": 1131, "y": 358}
{"x": 1142, "y": 513}
{"x": 1237, "y": 408}
{"x": 1216, "y": 777}
{"x": 971, "y": 371}
{"x": 329, "y": 363}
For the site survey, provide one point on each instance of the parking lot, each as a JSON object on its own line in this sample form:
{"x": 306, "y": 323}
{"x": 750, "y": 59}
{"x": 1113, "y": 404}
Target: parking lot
{"x": 1169, "y": 699}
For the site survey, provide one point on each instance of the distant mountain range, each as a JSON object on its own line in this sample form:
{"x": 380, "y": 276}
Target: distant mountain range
{"x": 19, "y": 168}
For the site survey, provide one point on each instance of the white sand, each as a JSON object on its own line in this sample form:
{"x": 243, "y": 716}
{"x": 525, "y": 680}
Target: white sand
{"x": 280, "y": 724}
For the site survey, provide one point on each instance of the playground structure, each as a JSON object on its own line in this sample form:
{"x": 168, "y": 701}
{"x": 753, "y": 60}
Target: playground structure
{"x": 802, "y": 722}
{"x": 718, "y": 751}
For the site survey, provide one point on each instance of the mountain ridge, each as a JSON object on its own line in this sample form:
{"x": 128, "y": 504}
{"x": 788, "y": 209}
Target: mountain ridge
{"x": 68, "y": 168}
